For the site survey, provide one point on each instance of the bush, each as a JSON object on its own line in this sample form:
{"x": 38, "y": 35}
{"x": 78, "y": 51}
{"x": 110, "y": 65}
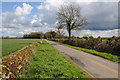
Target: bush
{"x": 109, "y": 45}
{"x": 103, "y": 47}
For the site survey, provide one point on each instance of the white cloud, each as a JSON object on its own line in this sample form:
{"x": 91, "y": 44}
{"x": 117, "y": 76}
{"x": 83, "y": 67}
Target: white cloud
{"x": 55, "y": 3}
{"x": 11, "y": 20}
{"x": 41, "y": 15}
{"x": 36, "y": 23}
{"x": 89, "y": 1}
{"x": 0, "y": 20}
{"x": 22, "y": 33}
{"x": 17, "y": 18}
{"x": 25, "y": 10}
{"x": 35, "y": 16}
{"x": 47, "y": 7}
{"x": 48, "y": 16}
{"x": 100, "y": 15}
{"x": 45, "y": 23}
{"x": 96, "y": 33}
{"x": 33, "y": 21}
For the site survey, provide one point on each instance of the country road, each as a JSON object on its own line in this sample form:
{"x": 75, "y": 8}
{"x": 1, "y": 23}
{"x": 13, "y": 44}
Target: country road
{"x": 95, "y": 66}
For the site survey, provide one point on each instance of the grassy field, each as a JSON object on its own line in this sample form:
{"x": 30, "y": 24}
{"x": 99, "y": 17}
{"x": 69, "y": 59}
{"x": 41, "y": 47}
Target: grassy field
{"x": 12, "y": 45}
{"x": 47, "y": 62}
{"x": 108, "y": 56}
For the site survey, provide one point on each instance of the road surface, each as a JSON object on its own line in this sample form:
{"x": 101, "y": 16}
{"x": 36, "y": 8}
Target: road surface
{"x": 95, "y": 66}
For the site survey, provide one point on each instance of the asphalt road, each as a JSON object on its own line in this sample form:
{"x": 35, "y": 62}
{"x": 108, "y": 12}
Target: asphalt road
{"x": 95, "y": 66}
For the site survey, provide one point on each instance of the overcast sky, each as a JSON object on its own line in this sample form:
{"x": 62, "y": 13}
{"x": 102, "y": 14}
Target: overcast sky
{"x": 20, "y": 18}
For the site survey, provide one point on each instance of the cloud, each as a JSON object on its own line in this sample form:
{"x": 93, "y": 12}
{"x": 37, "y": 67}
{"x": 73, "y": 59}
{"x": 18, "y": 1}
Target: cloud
{"x": 22, "y": 33}
{"x": 101, "y": 17}
{"x": 36, "y": 23}
{"x": 47, "y": 7}
{"x": 47, "y": 16}
{"x": 55, "y": 3}
{"x": 0, "y": 19}
{"x": 17, "y": 18}
{"x": 11, "y": 20}
{"x": 89, "y": 1}
{"x": 96, "y": 33}
{"x": 23, "y": 30}
{"x": 25, "y": 10}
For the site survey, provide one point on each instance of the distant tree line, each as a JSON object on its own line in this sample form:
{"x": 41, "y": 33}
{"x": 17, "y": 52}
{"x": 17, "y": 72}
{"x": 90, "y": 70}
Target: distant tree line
{"x": 47, "y": 35}
{"x": 34, "y": 35}
{"x": 7, "y": 37}
{"x": 53, "y": 35}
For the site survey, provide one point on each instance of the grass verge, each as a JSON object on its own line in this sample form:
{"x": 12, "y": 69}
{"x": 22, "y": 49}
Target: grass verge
{"x": 47, "y": 62}
{"x": 108, "y": 56}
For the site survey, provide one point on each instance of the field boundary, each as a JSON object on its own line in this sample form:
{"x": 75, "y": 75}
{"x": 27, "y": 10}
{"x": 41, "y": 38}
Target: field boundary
{"x": 104, "y": 55}
{"x": 13, "y": 63}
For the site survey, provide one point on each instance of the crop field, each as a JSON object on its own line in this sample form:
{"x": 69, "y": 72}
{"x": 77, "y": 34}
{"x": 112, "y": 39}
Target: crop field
{"x": 47, "y": 62}
{"x": 12, "y": 45}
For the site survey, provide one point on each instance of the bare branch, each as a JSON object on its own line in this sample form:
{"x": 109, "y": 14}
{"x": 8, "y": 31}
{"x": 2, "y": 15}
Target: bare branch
{"x": 69, "y": 16}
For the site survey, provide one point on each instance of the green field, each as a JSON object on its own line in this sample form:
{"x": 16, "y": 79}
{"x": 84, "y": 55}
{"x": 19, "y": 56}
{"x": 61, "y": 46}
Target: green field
{"x": 47, "y": 62}
{"x": 12, "y": 45}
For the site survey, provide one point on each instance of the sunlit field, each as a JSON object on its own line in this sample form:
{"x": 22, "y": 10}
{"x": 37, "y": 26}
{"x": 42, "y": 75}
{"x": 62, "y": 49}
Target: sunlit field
{"x": 12, "y": 45}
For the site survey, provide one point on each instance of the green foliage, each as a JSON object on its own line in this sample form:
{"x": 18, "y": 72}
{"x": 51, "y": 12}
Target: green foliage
{"x": 101, "y": 54}
{"x": 50, "y": 35}
{"x": 49, "y": 63}
{"x": 12, "y": 45}
{"x": 34, "y": 35}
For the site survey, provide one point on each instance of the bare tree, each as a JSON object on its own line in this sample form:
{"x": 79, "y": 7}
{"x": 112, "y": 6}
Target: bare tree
{"x": 69, "y": 17}
{"x": 60, "y": 31}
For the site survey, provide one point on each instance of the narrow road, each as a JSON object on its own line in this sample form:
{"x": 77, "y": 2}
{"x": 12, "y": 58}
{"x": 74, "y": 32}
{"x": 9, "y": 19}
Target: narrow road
{"x": 95, "y": 66}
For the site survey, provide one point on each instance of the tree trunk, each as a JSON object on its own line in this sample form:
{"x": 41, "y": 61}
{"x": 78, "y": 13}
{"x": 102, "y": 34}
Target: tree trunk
{"x": 69, "y": 32}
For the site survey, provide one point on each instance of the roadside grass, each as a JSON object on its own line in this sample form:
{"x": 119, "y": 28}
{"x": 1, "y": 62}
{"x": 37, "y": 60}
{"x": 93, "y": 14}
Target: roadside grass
{"x": 108, "y": 56}
{"x": 47, "y": 62}
{"x": 12, "y": 45}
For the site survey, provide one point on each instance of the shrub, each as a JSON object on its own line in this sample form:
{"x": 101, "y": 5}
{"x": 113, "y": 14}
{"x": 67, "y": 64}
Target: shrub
{"x": 109, "y": 45}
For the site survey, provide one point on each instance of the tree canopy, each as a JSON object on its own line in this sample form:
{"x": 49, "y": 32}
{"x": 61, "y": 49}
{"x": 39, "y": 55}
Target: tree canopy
{"x": 69, "y": 17}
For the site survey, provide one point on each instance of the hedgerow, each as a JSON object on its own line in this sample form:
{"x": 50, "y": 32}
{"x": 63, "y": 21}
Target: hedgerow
{"x": 88, "y": 46}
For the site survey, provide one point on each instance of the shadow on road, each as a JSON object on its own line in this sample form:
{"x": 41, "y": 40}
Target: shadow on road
{"x": 54, "y": 44}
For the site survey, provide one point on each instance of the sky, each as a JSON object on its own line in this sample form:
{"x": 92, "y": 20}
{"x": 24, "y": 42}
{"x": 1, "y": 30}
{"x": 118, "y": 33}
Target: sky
{"x": 19, "y": 18}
